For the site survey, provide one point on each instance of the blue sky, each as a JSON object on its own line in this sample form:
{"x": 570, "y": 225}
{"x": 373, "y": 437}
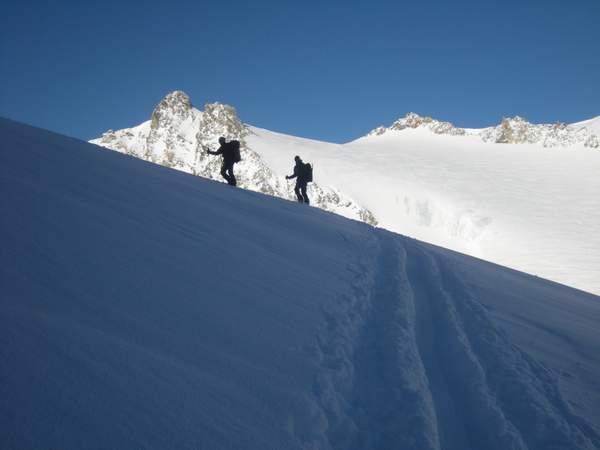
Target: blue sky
{"x": 329, "y": 70}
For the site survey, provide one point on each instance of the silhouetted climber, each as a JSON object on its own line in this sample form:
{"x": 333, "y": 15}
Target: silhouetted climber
{"x": 303, "y": 175}
{"x": 230, "y": 151}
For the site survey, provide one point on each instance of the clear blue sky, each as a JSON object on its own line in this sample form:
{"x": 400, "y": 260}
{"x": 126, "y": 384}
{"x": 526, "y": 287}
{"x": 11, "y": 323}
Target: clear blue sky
{"x": 328, "y": 70}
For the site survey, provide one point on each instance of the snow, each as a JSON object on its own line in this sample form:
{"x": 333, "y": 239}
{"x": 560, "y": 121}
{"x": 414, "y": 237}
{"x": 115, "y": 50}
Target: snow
{"x": 529, "y": 203}
{"x": 178, "y": 135}
{"x": 523, "y": 206}
{"x": 142, "y": 307}
{"x": 512, "y": 130}
{"x": 592, "y": 124}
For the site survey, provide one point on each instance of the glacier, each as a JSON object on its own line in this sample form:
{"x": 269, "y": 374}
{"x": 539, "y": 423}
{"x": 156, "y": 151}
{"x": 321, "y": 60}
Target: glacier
{"x": 518, "y": 194}
{"x": 144, "y": 307}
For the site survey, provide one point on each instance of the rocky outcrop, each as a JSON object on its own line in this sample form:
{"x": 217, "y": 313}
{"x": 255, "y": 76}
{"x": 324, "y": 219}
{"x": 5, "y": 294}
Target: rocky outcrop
{"x": 514, "y": 130}
{"x": 517, "y": 130}
{"x": 178, "y": 135}
{"x": 413, "y": 120}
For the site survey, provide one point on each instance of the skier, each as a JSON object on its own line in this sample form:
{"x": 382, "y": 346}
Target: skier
{"x": 230, "y": 152}
{"x": 303, "y": 175}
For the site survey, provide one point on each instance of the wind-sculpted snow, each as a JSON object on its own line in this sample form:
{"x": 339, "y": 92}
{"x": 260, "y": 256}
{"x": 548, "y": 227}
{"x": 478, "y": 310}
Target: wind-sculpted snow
{"x": 142, "y": 307}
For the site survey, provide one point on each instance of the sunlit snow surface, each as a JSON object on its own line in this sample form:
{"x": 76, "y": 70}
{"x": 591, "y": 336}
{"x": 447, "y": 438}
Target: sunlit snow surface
{"x": 524, "y": 206}
{"x": 141, "y": 307}
{"x": 531, "y": 206}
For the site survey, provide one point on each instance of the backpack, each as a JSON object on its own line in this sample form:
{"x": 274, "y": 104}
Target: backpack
{"x": 308, "y": 172}
{"x": 234, "y": 147}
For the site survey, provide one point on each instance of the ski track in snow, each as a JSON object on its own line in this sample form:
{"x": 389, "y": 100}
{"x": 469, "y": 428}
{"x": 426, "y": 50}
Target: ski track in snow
{"x": 119, "y": 331}
{"x": 412, "y": 361}
{"x": 482, "y": 369}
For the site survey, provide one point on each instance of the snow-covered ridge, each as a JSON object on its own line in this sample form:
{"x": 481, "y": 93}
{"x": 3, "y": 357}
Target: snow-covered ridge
{"x": 413, "y": 120}
{"x": 517, "y": 130}
{"x": 512, "y": 130}
{"x": 178, "y": 134}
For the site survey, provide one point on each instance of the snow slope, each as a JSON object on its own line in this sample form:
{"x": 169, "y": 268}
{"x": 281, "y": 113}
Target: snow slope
{"x": 177, "y": 136}
{"x": 522, "y": 206}
{"x": 592, "y": 124}
{"x": 142, "y": 307}
{"x": 519, "y": 194}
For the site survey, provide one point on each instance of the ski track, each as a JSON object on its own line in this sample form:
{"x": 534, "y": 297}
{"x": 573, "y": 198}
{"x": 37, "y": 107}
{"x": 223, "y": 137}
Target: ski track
{"x": 410, "y": 360}
{"x": 168, "y": 356}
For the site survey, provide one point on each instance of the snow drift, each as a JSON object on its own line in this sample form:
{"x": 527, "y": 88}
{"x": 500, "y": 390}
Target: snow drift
{"x": 142, "y": 307}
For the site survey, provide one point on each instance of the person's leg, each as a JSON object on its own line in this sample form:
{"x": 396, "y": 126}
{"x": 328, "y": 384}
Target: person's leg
{"x": 224, "y": 172}
{"x": 232, "y": 180}
{"x": 298, "y": 194}
{"x": 304, "y": 194}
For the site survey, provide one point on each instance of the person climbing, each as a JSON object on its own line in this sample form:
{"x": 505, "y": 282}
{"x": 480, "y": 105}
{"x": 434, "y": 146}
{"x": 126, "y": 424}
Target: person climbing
{"x": 303, "y": 175}
{"x": 230, "y": 152}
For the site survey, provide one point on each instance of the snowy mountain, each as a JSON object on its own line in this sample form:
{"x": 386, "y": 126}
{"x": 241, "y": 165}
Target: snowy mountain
{"x": 413, "y": 120}
{"x": 525, "y": 206}
{"x": 515, "y": 130}
{"x": 178, "y": 135}
{"x": 142, "y": 307}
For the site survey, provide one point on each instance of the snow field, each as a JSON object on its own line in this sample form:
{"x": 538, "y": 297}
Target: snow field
{"x": 529, "y": 203}
{"x": 144, "y": 307}
{"x": 523, "y": 206}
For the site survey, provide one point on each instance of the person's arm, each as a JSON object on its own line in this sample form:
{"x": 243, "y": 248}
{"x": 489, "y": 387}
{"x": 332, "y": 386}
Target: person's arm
{"x": 218, "y": 152}
{"x": 289, "y": 177}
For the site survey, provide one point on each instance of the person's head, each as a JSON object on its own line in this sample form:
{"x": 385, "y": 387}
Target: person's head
{"x": 297, "y": 159}
{"x": 222, "y": 140}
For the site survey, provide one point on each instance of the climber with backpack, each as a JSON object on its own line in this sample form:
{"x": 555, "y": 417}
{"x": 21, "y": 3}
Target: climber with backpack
{"x": 230, "y": 152}
{"x": 303, "y": 176}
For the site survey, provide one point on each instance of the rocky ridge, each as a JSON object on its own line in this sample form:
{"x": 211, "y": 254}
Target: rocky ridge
{"x": 512, "y": 130}
{"x": 177, "y": 136}
{"x": 517, "y": 130}
{"x": 413, "y": 120}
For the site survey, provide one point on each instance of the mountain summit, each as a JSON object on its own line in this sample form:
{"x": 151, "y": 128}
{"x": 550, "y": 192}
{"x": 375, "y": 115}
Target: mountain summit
{"x": 178, "y": 135}
{"x": 515, "y": 130}
{"x": 176, "y": 105}
{"x": 413, "y": 120}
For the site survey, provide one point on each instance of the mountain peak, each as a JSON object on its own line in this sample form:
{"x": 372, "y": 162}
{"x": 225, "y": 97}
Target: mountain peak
{"x": 518, "y": 130}
{"x": 220, "y": 119}
{"x": 176, "y": 103}
{"x": 179, "y": 134}
{"x": 177, "y": 99}
{"x": 414, "y": 120}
